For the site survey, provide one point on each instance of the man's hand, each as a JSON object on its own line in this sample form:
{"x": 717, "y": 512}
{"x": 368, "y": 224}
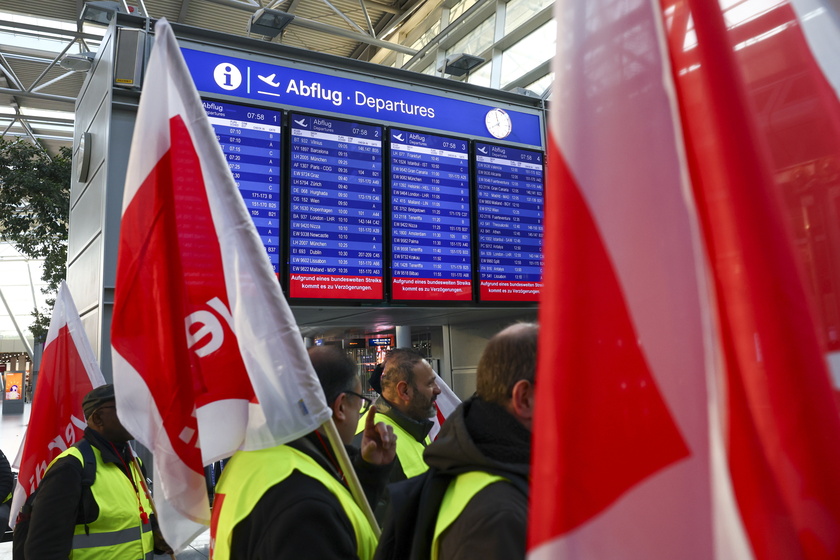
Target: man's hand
{"x": 379, "y": 443}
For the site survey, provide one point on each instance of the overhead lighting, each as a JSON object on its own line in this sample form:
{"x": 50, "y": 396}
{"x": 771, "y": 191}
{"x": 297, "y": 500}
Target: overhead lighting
{"x": 269, "y": 23}
{"x": 81, "y": 62}
{"x": 460, "y": 64}
{"x": 100, "y": 12}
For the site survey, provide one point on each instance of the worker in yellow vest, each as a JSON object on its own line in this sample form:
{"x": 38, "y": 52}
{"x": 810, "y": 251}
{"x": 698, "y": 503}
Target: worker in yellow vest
{"x": 408, "y": 391}
{"x": 119, "y": 523}
{"x": 291, "y": 501}
{"x": 485, "y": 446}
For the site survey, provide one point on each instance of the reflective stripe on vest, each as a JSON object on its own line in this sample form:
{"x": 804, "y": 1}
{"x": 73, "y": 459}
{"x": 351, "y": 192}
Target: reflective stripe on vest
{"x": 250, "y": 474}
{"x": 117, "y": 533}
{"x": 459, "y": 493}
{"x": 409, "y": 450}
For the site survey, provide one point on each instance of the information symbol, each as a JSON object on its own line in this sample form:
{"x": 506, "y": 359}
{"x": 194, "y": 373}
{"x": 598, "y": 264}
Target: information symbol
{"x": 227, "y": 76}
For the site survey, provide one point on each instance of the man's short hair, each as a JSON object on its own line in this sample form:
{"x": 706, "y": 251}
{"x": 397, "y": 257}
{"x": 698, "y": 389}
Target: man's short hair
{"x": 399, "y": 366}
{"x": 335, "y": 370}
{"x": 509, "y": 357}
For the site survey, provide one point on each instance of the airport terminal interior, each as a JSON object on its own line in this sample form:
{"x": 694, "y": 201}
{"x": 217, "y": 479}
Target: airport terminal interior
{"x": 48, "y": 47}
{"x": 458, "y": 51}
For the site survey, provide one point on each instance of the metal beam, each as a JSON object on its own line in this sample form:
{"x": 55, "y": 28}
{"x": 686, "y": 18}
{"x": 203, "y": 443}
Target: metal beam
{"x": 344, "y": 16}
{"x": 182, "y": 13}
{"x": 17, "y": 328}
{"x": 32, "y": 95}
{"x": 324, "y": 28}
{"x": 362, "y": 38}
{"x": 50, "y": 30}
{"x": 371, "y": 31}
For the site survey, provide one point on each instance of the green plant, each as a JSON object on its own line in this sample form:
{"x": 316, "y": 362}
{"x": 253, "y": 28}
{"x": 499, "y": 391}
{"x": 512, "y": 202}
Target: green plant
{"x": 34, "y": 210}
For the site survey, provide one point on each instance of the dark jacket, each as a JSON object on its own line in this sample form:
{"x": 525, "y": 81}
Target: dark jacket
{"x": 300, "y": 517}
{"x": 7, "y": 479}
{"x": 57, "y": 511}
{"x": 484, "y": 436}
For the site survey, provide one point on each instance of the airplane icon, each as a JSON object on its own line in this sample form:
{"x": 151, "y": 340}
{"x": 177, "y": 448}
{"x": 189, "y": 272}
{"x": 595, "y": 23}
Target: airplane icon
{"x": 269, "y": 80}
{"x": 301, "y": 122}
{"x": 398, "y": 137}
{"x": 482, "y": 150}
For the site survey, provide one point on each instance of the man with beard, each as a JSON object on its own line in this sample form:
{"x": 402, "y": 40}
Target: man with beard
{"x": 407, "y": 403}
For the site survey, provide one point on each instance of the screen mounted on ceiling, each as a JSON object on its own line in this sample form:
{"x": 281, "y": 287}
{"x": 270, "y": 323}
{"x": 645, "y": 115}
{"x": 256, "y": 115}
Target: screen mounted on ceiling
{"x": 509, "y": 185}
{"x": 251, "y": 141}
{"x": 430, "y": 210}
{"x": 335, "y": 237}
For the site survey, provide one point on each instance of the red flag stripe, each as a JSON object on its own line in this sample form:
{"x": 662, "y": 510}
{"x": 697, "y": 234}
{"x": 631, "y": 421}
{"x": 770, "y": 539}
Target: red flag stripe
{"x": 783, "y": 425}
{"x": 68, "y": 371}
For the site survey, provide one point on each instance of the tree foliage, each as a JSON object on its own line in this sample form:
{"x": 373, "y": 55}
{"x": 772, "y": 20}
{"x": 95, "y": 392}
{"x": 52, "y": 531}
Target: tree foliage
{"x": 34, "y": 211}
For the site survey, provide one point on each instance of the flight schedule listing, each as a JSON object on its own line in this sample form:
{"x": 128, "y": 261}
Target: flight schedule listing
{"x": 510, "y": 222}
{"x": 250, "y": 140}
{"x": 336, "y": 209}
{"x": 430, "y": 208}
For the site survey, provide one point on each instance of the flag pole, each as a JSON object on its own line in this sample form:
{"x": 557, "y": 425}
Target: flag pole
{"x": 350, "y": 474}
{"x": 146, "y": 488}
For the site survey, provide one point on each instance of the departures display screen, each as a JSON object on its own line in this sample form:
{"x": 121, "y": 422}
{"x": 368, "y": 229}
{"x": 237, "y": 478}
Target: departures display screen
{"x": 430, "y": 212}
{"x": 336, "y": 222}
{"x": 510, "y": 222}
{"x": 251, "y": 141}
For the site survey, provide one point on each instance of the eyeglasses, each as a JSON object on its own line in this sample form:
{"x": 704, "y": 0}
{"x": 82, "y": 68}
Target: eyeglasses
{"x": 366, "y": 402}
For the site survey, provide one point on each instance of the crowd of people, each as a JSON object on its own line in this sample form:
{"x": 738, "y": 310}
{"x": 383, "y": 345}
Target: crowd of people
{"x": 463, "y": 495}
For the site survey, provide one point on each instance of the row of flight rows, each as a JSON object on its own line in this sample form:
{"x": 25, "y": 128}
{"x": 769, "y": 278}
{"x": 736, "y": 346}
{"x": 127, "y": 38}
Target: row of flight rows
{"x": 368, "y": 213}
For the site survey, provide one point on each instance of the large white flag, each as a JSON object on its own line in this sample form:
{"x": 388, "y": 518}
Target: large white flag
{"x": 207, "y": 356}
{"x": 68, "y": 372}
{"x": 683, "y": 406}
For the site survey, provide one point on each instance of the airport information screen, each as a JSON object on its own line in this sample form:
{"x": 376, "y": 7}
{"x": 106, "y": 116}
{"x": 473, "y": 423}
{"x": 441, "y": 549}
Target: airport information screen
{"x": 510, "y": 222}
{"x": 251, "y": 141}
{"x": 430, "y": 207}
{"x": 335, "y": 238}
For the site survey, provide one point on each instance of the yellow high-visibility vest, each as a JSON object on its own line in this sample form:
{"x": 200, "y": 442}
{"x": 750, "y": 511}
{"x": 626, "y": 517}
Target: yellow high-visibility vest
{"x": 461, "y": 490}
{"x": 118, "y": 533}
{"x": 250, "y": 474}
{"x": 409, "y": 450}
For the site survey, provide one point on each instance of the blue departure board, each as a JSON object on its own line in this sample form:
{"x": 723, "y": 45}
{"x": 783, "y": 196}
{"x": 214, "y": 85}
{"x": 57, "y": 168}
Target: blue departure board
{"x": 336, "y": 209}
{"x": 510, "y": 222}
{"x": 430, "y": 208}
{"x": 250, "y": 140}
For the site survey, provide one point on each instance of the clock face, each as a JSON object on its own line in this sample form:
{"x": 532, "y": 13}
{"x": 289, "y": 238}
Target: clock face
{"x": 498, "y": 123}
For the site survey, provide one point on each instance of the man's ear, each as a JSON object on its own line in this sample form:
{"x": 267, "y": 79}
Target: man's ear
{"x": 339, "y": 407}
{"x": 402, "y": 391}
{"x": 95, "y": 421}
{"x": 522, "y": 402}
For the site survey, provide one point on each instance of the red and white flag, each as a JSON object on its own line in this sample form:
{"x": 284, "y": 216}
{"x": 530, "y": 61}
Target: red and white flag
{"x": 67, "y": 373}
{"x": 447, "y": 401}
{"x": 207, "y": 356}
{"x": 684, "y": 407}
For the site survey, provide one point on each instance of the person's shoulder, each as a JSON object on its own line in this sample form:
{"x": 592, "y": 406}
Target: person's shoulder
{"x": 499, "y": 505}
{"x": 297, "y": 490}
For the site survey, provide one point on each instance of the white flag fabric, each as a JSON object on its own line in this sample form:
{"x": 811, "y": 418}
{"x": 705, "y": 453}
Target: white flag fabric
{"x": 207, "y": 356}
{"x": 67, "y": 373}
{"x": 683, "y": 403}
{"x": 446, "y": 402}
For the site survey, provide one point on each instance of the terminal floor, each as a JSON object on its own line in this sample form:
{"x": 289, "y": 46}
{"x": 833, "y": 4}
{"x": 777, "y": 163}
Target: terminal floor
{"x": 12, "y": 428}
